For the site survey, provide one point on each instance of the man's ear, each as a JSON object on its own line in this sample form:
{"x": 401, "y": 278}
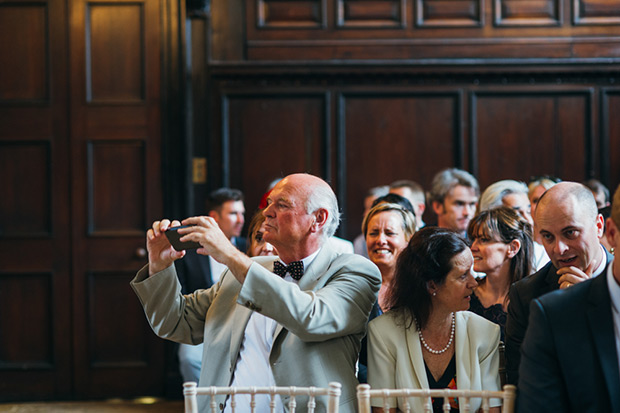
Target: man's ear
{"x": 513, "y": 248}
{"x": 214, "y": 214}
{"x": 320, "y": 219}
{"x": 437, "y": 207}
{"x": 611, "y": 232}
{"x": 600, "y": 226}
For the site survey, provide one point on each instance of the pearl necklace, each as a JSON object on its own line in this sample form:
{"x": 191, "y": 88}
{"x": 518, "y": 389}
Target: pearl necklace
{"x": 426, "y": 346}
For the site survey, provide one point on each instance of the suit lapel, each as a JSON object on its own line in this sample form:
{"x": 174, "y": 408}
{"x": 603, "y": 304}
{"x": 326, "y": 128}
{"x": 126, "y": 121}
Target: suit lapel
{"x": 316, "y": 269}
{"x": 552, "y": 278}
{"x": 417, "y": 359}
{"x": 600, "y": 319}
{"x": 312, "y": 275}
{"x": 241, "y": 317}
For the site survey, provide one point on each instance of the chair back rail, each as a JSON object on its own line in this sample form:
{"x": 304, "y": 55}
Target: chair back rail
{"x": 364, "y": 394}
{"x": 191, "y": 390}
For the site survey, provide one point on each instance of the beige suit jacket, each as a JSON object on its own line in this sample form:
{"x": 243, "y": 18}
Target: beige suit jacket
{"x": 321, "y": 320}
{"x": 395, "y": 357}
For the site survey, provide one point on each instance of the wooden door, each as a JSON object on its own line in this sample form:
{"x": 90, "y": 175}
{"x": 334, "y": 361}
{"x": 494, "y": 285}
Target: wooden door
{"x": 116, "y": 191}
{"x": 35, "y": 285}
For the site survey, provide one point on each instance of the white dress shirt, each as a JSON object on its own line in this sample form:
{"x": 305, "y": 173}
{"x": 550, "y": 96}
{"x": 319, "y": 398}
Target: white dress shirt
{"x": 253, "y": 368}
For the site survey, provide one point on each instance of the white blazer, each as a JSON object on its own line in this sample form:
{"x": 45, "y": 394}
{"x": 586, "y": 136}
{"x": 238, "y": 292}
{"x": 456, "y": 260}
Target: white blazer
{"x": 395, "y": 357}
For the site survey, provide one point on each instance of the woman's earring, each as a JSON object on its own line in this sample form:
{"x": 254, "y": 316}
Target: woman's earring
{"x": 613, "y": 251}
{"x": 435, "y": 293}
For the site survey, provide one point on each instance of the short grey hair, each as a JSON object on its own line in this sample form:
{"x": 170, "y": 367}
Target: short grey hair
{"x": 378, "y": 191}
{"x": 447, "y": 179}
{"x": 494, "y": 194}
{"x": 323, "y": 197}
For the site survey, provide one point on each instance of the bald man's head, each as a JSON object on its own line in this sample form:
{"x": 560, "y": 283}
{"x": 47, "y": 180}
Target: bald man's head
{"x": 570, "y": 227}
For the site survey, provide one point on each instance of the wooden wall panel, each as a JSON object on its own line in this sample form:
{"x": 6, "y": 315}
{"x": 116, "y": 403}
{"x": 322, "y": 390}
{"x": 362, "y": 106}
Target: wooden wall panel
{"x": 106, "y": 350}
{"x": 115, "y": 52}
{"x": 24, "y": 72}
{"x": 610, "y": 133}
{"x": 415, "y": 30}
{"x": 372, "y": 13}
{"x": 291, "y": 14}
{"x": 411, "y": 125}
{"x": 391, "y": 136}
{"x": 24, "y": 166}
{"x": 519, "y": 134}
{"x": 596, "y": 12}
{"x": 272, "y": 134}
{"x": 449, "y": 13}
{"x": 29, "y": 344}
{"x": 528, "y": 12}
{"x": 116, "y": 171}
{"x": 116, "y": 187}
{"x": 35, "y": 256}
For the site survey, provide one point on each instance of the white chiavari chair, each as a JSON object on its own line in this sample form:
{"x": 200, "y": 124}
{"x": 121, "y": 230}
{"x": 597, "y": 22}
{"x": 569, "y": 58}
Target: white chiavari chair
{"x": 365, "y": 393}
{"x": 191, "y": 391}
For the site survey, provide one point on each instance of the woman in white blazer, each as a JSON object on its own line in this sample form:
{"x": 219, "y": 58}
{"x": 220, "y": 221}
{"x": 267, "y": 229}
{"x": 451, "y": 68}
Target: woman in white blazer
{"x": 427, "y": 339}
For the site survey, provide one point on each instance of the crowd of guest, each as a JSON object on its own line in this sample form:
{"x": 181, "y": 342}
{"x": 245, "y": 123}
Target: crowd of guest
{"x": 436, "y": 300}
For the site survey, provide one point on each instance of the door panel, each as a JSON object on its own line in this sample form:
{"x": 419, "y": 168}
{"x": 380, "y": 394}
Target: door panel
{"x": 35, "y": 323}
{"x": 116, "y": 157}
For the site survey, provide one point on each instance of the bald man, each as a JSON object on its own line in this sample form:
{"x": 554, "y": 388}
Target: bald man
{"x": 570, "y": 354}
{"x": 301, "y": 327}
{"x": 570, "y": 226}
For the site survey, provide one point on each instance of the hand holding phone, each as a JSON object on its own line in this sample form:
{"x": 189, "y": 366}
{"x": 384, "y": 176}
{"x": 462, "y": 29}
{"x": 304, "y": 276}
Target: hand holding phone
{"x": 175, "y": 239}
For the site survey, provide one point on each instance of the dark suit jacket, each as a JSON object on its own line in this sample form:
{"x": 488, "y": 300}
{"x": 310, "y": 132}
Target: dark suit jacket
{"x": 569, "y": 358}
{"x": 521, "y": 295}
{"x": 194, "y": 270}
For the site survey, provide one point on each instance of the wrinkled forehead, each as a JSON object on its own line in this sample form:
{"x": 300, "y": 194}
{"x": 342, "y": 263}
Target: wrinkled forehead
{"x": 290, "y": 192}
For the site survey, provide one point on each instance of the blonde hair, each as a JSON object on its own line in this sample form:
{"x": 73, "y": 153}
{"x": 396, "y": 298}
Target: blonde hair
{"x": 408, "y": 220}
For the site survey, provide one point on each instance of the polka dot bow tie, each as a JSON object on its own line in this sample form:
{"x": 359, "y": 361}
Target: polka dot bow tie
{"x": 296, "y": 269}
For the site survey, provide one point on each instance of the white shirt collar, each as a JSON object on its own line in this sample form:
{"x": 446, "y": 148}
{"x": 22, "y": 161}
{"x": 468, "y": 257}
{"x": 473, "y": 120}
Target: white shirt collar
{"x": 601, "y": 265}
{"x": 308, "y": 260}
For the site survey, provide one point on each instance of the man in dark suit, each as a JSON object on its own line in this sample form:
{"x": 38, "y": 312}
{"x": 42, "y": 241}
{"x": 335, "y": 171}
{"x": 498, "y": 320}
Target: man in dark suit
{"x": 571, "y": 227}
{"x": 199, "y": 272}
{"x": 571, "y": 348}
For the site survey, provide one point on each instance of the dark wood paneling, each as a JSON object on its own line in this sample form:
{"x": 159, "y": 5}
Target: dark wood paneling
{"x": 116, "y": 171}
{"x": 397, "y": 135}
{"x": 416, "y": 30}
{"x": 107, "y": 351}
{"x": 35, "y": 247}
{"x": 272, "y": 134}
{"x": 297, "y": 14}
{"x": 116, "y": 188}
{"x": 611, "y": 137}
{"x": 371, "y": 13}
{"x": 24, "y": 72}
{"x": 449, "y": 13}
{"x": 29, "y": 344}
{"x": 115, "y": 51}
{"x": 596, "y": 12}
{"x": 528, "y": 12}
{"x": 24, "y": 166}
{"x": 520, "y": 134}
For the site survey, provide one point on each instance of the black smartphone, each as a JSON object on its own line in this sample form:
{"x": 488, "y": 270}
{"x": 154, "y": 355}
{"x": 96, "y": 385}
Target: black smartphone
{"x": 175, "y": 239}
